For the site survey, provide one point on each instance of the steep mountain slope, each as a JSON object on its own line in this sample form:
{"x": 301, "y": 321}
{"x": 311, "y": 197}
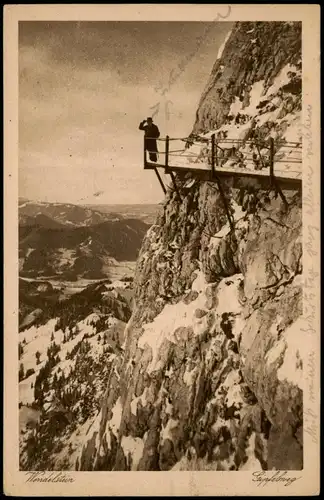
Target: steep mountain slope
{"x": 65, "y": 360}
{"x": 247, "y": 102}
{"x": 40, "y": 220}
{"x": 43, "y": 302}
{"x": 268, "y": 49}
{"x": 82, "y": 251}
{"x": 211, "y": 376}
{"x": 34, "y": 298}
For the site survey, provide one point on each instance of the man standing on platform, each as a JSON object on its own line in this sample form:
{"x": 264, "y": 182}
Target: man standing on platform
{"x": 151, "y": 134}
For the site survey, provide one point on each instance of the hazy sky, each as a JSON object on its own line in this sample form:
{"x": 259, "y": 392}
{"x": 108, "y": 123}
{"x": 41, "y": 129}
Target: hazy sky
{"x": 83, "y": 89}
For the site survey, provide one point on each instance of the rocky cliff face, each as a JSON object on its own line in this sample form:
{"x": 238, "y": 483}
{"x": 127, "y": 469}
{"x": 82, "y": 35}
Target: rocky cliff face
{"x": 254, "y": 52}
{"x": 210, "y": 377}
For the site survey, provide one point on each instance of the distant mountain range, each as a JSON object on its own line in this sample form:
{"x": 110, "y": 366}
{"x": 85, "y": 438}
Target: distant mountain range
{"x": 84, "y": 215}
{"x": 71, "y": 241}
{"x": 63, "y": 213}
{"x": 146, "y": 212}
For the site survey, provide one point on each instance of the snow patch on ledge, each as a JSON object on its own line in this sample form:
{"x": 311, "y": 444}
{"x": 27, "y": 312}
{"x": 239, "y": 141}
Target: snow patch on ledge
{"x": 252, "y": 462}
{"x": 167, "y": 430}
{"x": 136, "y": 400}
{"x": 222, "y": 47}
{"x": 174, "y": 316}
{"x": 200, "y": 282}
{"x": 133, "y": 447}
{"x": 275, "y": 352}
{"x": 189, "y": 376}
{"x": 227, "y": 294}
{"x": 117, "y": 411}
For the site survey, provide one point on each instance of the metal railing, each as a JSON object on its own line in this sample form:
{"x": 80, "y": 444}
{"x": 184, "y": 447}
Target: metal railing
{"x": 217, "y": 161}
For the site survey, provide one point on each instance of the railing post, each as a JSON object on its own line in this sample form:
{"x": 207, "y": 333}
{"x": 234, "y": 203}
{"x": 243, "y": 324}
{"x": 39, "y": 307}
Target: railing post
{"x": 216, "y": 156}
{"x": 144, "y": 153}
{"x": 167, "y": 151}
{"x": 213, "y": 155}
{"x": 271, "y": 141}
{"x": 273, "y": 180}
{"x": 257, "y": 145}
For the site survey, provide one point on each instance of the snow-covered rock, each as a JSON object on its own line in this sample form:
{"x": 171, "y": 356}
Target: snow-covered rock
{"x": 211, "y": 373}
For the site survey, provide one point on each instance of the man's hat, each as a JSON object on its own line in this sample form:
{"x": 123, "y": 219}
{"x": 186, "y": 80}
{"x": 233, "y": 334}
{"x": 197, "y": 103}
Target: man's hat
{"x": 149, "y": 118}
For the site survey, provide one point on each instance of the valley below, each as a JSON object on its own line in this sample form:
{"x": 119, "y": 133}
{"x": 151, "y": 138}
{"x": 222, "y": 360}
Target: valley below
{"x": 71, "y": 321}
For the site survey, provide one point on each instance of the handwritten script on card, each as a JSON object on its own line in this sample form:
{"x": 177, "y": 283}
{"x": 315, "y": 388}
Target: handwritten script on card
{"x": 311, "y": 275}
{"x": 263, "y": 478}
{"x": 48, "y": 477}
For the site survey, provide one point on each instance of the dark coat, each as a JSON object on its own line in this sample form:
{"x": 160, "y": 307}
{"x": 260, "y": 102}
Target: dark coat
{"x": 151, "y": 134}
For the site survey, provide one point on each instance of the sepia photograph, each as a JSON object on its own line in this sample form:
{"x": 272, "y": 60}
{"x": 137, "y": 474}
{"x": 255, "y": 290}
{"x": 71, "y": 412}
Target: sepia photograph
{"x": 161, "y": 244}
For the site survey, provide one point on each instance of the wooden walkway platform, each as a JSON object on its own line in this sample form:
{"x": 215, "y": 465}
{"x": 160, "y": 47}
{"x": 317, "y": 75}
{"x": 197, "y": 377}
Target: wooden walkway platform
{"x": 239, "y": 177}
{"x": 274, "y": 176}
